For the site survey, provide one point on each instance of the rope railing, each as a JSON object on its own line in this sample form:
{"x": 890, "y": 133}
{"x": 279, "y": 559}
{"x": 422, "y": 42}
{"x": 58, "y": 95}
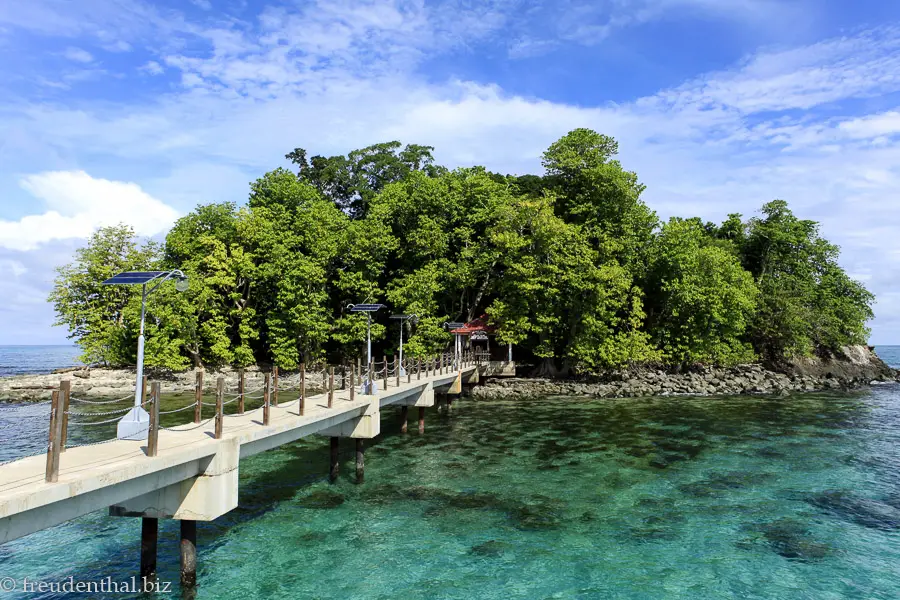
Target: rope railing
{"x": 324, "y": 380}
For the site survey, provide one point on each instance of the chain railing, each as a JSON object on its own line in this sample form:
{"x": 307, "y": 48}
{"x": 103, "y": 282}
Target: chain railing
{"x": 363, "y": 380}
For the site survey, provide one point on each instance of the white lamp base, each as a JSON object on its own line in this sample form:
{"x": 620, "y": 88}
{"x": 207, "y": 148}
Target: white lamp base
{"x": 135, "y": 425}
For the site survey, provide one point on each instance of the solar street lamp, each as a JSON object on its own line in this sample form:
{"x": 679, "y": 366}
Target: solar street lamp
{"x": 368, "y": 309}
{"x": 135, "y": 424}
{"x": 403, "y": 319}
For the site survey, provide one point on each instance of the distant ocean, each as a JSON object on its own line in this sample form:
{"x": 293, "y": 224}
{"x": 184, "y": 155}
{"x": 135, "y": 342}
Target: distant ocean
{"x": 23, "y": 360}
{"x": 26, "y": 360}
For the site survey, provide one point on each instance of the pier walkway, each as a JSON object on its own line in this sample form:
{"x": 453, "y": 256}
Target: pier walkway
{"x": 194, "y": 475}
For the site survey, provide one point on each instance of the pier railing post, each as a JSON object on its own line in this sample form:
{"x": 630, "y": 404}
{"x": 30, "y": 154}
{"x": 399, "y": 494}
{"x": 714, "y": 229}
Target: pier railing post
{"x": 220, "y": 406}
{"x": 352, "y": 382}
{"x": 198, "y": 397}
{"x": 52, "y": 474}
{"x": 65, "y": 392}
{"x": 302, "y": 388}
{"x": 241, "y": 391}
{"x": 275, "y": 386}
{"x": 153, "y": 434}
{"x": 266, "y": 399}
{"x": 330, "y": 387}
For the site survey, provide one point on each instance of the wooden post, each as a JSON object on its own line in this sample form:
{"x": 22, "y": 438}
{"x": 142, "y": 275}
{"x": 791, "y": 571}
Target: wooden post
{"x": 384, "y": 360}
{"x": 302, "y": 387}
{"x": 198, "y": 397}
{"x": 404, "y": 417}
{"x": 352, "y": 382}
{"x": 421, "y": 419}
{"x": 188, "y": 553}
{"x": 360, "y": 461}
{"x": 335, "y": 463}
{"x": 274, "y": 386}
{"x": 220, "y": 401}
{"x": 153, "y": 434}
{"x": 397, "y": 368}
{"x": 266, "y": 398}
{"x": 149, "y": 537}
{"x": 65, "y": 390}
{"x": 240, "y": 392}
{"x": 330, "y": 387}
{"x": 52, "y": 474}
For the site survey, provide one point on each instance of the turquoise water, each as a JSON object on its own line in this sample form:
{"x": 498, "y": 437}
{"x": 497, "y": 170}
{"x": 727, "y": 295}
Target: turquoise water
{"x": 746, "y": 497}
{"x": 21, "y": 360}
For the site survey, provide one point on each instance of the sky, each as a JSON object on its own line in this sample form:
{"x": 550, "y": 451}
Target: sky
{"x": 131, "y": 111}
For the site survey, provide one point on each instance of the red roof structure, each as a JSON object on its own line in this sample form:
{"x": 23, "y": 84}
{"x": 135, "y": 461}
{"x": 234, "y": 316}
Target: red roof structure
{"x": 475, "y": 325}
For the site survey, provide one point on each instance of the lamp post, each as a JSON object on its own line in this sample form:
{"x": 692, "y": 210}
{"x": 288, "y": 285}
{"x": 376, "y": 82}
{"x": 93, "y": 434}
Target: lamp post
{"x": 368, "y": 309}
{"x": 403, "y": 319}
{"x": 136, "y": 423}
{"x": 451, "y": 325}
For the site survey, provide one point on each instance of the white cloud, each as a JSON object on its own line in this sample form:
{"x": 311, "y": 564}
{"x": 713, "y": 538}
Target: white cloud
{"x": 78, "y": 55}
{"x": 202, "y": 4}
{"x": 78, "y": 204}
{"x": 153, "y": 67}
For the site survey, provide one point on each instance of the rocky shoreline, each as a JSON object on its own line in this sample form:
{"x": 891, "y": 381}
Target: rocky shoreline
{"x": 857, "y": 366}
{"x": 101, "y": 382}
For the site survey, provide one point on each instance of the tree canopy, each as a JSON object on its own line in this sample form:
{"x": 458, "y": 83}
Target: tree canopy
{"x": 571, "y": 266}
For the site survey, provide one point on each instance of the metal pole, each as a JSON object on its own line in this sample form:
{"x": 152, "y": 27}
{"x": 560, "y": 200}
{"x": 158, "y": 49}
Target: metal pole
{"x": 369, "y": 335}
{"x": 401, "y": 347}
{"x": 140, "y": 354}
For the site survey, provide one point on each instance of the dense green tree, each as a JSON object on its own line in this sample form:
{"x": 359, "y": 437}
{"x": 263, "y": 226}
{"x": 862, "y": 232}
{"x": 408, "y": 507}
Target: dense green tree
{"x": 571, "y": 266}
{"x": 703, "y": 299}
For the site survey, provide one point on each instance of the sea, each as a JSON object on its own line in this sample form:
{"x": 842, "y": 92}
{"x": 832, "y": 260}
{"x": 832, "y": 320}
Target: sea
{"x": 557, "y": 497}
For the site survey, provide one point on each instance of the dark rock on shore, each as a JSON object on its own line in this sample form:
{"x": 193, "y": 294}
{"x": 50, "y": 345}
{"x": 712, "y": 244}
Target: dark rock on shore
{"x": 858, "y": 366}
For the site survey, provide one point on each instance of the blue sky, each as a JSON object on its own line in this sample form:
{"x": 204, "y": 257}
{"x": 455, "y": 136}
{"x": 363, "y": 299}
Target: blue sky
{"x": 124, "y": 110}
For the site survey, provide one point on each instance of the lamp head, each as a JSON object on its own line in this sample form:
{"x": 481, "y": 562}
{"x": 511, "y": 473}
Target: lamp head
{"x": 181, "y": 284}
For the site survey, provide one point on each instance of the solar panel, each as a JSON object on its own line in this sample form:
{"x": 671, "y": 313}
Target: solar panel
{"x": 401, "y": 316}
{"x": 132, "y": 277}
{"x": 455, "y": 325}
{"x": 365, "y": 307}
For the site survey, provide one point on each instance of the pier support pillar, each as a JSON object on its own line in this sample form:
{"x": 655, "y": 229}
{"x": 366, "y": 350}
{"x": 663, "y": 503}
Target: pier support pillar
{"x": 404, "y": 417}
{"x": 335, "y": 460}
{"x": 188, "y": 554}
{"x": 360, "y": 461}
{"x": 421, "y": 419}
{"x": 149, "y": 537}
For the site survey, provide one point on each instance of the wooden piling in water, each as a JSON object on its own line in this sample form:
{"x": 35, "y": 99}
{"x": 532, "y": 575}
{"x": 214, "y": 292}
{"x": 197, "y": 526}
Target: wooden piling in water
{"x": 188, "y": 553}
{"x": 241, "y": 391}
{"x": 153, "y": 434}
{"x": 330, "y": 387}
{"x": 335, "y": 463}
{"x": 220, "y": 407}
{"x": 198, "y": 397}
{"x": 360, "y": 461}
{"x": 52, "y": 471}
{"x": 404, "y": 418}
{"x": 266, "y": 399}
{"x": 149, "y": 539}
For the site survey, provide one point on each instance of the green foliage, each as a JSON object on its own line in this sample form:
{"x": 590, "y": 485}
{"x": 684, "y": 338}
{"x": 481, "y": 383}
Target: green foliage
{"x": 570, "y": 266}
{"x": 703, "y": 299}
